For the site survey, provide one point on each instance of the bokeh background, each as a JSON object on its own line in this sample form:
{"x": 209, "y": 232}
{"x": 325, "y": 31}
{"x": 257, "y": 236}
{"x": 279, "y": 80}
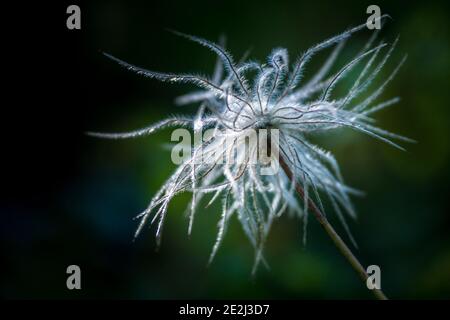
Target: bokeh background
{"x": 78, "y": 208}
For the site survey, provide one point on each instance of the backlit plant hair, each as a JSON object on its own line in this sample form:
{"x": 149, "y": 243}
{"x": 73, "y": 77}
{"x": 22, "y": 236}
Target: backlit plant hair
{"x": 276, "y": 97}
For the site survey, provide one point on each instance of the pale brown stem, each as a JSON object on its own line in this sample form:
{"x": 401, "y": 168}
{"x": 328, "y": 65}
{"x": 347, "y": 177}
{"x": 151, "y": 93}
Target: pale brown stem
{"x": 339, "y": 243}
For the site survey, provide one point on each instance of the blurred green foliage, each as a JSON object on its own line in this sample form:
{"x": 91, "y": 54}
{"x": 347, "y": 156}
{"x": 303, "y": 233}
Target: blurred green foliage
{"x": 404, "y": 220}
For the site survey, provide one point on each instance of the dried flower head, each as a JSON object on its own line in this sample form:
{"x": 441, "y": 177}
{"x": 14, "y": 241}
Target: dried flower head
{"x": 275, "y": 99}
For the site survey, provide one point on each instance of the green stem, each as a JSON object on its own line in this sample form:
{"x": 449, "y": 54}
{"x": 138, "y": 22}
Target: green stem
{"x": 339, "y": 243}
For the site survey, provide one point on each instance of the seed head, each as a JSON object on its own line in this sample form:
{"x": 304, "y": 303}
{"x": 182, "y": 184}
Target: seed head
{"x": 273, "y": 102}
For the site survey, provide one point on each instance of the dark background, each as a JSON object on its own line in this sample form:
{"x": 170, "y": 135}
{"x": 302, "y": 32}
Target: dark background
{"x": 70, "y": 199}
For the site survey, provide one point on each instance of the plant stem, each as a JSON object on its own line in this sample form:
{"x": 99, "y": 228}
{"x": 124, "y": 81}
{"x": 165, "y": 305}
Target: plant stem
{"x": 346, "y": 252}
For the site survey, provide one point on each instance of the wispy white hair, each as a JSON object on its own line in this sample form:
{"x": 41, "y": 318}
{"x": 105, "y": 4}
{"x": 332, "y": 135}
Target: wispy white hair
{"x": 277, "y": 97}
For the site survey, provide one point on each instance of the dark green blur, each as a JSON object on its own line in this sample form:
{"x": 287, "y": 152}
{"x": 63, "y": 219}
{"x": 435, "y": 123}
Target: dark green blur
{"x": 404, "y": 219}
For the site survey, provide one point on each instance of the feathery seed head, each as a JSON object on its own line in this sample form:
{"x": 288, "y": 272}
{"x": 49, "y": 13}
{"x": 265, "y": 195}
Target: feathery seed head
{"x": 252, "y": 124}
